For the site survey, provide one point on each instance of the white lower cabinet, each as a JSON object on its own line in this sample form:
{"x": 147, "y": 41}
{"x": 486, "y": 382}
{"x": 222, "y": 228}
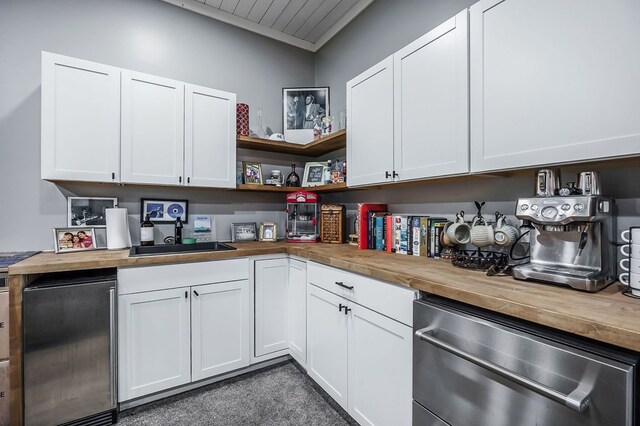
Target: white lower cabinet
{"x": 154, "y": 342}
{"x": 380, "y": 368}
{"x": 169, "y": 337}
{"x": 298, "y": 310}
{"x": 328, "y": 342}
{"x": 219, "y": 328}
{"x": 272, "y": 306}
{"x": 360, "y": 356}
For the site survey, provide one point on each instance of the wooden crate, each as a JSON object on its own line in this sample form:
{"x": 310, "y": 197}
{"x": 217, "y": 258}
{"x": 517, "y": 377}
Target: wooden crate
{"x": 333, "y": 223}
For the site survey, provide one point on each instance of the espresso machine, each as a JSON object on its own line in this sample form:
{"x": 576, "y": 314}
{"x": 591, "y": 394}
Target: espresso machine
{"x": 572, "y": 234}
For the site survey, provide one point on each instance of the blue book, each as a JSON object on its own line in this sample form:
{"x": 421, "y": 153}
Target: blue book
{"x": 379, "y": 233}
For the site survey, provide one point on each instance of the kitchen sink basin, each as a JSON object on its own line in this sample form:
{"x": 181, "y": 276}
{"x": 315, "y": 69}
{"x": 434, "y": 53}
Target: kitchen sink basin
{"x": 178, "y": 248}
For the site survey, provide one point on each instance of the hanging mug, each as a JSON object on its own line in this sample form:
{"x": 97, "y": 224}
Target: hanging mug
{"x": 505, "y": 235}
{"x": 459, "y": 232}
{"x": 481, "y": 233}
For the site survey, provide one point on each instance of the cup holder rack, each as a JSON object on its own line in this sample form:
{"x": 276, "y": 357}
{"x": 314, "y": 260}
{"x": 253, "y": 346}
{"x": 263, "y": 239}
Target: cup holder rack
{"x": 479, "y": 259}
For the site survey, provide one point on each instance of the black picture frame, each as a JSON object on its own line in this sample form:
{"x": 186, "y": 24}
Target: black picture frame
{"x": 296, "y": 126}
{"x": 164, "y": 204}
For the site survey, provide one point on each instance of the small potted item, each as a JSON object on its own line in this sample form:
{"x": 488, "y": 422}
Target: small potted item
{"x": 302, "y": 217}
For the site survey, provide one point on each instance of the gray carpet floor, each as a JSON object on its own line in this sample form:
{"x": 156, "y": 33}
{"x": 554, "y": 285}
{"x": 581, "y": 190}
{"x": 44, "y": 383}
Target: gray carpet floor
{"x": 278, "y": 395}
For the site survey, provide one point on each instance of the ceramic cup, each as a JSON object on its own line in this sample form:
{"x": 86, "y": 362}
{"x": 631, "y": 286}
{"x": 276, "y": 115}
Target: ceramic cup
{"x": 631, "y": 250}
{"x": 444, "y": 238}
{"x": 630, "y": 265}
{"x": 632, "y": 234}
{"x": 504, "y": 234}
{"x": 632, "y": 280}
{"x": 481, "y": 233}
{"x": 459, "y": 232}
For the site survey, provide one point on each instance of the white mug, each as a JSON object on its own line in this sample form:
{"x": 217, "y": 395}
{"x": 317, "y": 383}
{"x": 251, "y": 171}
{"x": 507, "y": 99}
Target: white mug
{"x": 481, "y": 233}
{"x": 445, "y": 240}
{"x": 631, "y": 250}
{"x": 629, "y": 235}
{"x": 632, "y": 280}
{"x": 459, "y": 232}
{"x": 632, "y": 265}
{"x": 505, "y": 234}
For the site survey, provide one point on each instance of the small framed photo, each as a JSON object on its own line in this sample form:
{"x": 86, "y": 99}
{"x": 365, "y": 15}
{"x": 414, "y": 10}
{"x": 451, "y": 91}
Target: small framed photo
{"x": 88, "y": 211}
{"x": 244, "y": 232}
{"x": 74, "y": 239}
{"x": 303, "y": 109}
{"x": 268, "y": 231}
{"x": 164, "y": 211}
{"x": 314, "y": 174}
{"x": 252, "y": 173}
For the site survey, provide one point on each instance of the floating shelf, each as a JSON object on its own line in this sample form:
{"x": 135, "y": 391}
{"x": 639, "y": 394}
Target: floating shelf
{"x": 336, "y": 187}
{"x": 324, "y": 145}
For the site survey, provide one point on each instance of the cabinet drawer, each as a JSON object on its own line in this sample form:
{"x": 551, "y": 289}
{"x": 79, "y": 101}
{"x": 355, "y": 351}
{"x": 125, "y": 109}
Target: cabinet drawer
{"x": 4, "y": 325}
{"x": 149, "y": 278}
{"x": 388, "y": 299}
{"x": 4, "y": 393}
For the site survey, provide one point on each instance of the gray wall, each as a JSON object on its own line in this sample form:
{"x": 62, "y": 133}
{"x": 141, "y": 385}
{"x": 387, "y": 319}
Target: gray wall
{"x": 379, "y": 31}
{"x": 143, "y": 35}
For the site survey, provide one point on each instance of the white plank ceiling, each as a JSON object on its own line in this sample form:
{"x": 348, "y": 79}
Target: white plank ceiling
{"x": 308, "y": 24}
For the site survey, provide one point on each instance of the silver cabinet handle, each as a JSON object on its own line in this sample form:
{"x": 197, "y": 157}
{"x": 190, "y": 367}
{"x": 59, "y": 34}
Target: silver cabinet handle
{"x": 112, "y": 346}
{"x": 577, "y": 400}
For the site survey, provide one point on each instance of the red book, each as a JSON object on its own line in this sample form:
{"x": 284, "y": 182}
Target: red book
{"x": 389, "y": 237}
{"x": 363, "y": 221}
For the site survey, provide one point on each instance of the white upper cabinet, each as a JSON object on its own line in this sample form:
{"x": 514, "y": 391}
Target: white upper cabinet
{"x": 553, "y": 82}
{"x": 152, "y": 129}
{"x": 210, "y": 132}
{"x": 80, "y": 137}
{"x": 370, "y": 129}
{"x": 431, "y": 97}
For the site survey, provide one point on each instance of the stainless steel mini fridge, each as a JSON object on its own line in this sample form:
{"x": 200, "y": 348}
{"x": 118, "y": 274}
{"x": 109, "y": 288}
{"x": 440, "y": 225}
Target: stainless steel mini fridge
{"x": 70, "y": 349}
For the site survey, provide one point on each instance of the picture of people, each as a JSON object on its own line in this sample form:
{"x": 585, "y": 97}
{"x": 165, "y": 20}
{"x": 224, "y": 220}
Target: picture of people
{"x": 252, "y": 173}
{"x": 88, "y": 211}
{"x": 73, "y": 239}
{"x": 303, "y": 110}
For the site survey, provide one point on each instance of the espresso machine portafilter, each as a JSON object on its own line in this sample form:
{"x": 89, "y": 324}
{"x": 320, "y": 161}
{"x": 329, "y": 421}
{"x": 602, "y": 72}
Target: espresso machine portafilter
{"x": 573, "y": 230}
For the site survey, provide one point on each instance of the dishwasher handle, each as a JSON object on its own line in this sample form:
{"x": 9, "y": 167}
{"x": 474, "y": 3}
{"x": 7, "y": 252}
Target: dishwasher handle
{"x": 577, "y": 400}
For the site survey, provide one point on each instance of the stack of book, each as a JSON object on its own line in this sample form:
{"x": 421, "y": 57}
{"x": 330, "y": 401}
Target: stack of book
{"x": 378, "y": 229}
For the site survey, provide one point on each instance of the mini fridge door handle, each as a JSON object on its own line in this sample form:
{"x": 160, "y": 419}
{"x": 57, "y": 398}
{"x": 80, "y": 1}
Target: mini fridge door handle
{"x": 577, "y": 400}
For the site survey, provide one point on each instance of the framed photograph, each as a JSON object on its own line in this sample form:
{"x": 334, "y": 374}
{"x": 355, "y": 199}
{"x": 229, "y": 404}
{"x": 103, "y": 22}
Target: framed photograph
{"x": 74, "y": 239}
{"x": 244, "y": 232}
{"x": 268, "y": 231}
{"x": 252, "y": 173}
{"x": 88, "y": 211}
{"x": 164, "y": 211}
{"x": 303, "y": 109}
{"x": 314, "y": 174}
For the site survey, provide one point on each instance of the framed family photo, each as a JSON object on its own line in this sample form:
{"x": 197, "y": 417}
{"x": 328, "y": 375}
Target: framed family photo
{"x": 88, "y": 211}
{"x": 164, "y": 211}
{"x": 303, "y": 109}
{"x": 74, "y": 239}
{"x": 252, "y": 173}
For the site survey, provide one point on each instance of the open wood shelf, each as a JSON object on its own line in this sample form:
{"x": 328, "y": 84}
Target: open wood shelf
{"x": 333, "y": 142}
{"x": 336, "y": 187}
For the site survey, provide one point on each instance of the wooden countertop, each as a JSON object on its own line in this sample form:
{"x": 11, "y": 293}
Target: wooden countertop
{"x": 607, "y": 316}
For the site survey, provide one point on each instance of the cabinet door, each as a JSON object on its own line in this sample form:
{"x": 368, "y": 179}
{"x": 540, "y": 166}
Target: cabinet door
{"x": 152, "y": 129}
{"x": 380, "y": 368}
{"x": 431, "y": 97}
{"x": 327, "y": 342}
{"x": 541, "y": 94}
{"x": 220, "y": 328}
{"x": 153, "y": 342}
{"x": 210, "y": 137}
{"x": 298, "y": 310}
{"x": 370, "y": 125}
{"x": 80, "y": 137}
{"x": 272, "y": 306}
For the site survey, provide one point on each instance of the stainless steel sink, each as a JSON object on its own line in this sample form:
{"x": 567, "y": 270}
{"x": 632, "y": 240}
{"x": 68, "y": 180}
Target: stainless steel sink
{"x": 178, "y": 248}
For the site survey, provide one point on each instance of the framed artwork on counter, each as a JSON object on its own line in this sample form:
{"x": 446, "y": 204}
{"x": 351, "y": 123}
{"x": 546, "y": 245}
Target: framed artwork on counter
{"x": 164, "y": 211}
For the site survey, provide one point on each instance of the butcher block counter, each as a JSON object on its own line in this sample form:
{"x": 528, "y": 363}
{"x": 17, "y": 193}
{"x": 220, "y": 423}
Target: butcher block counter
{"x": 607, "y": 316}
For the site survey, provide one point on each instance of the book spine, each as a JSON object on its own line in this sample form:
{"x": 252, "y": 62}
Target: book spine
{"x": 403, "y": 235}
{"x": 415, "y": 236}
{"x": 424, "y": 224}
{"x": 390, "y": 246}
{"x": 379, "y": 221}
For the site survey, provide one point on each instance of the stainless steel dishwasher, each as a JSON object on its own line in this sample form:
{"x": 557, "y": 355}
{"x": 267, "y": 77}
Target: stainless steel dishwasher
{"x": 473, "y": 367}
{"x": 70, "y": 349}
